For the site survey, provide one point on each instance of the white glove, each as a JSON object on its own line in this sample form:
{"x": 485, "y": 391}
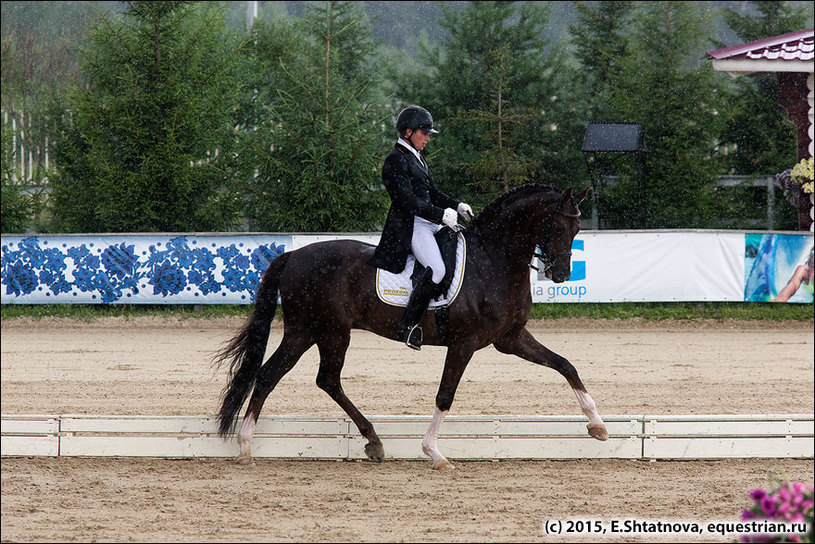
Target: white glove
{"x": 450, "y": 218}
{"x": 465, "y": 211}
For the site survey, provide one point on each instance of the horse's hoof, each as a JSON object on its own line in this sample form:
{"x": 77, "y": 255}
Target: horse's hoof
{"x": 598, "y": 431}
{"x": 443, "y": 464}
{"x": 375, "y": 451}
{"x": 243, "y": 461}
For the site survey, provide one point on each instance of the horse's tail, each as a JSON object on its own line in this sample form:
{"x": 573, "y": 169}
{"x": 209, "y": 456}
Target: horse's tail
{"x": 246, "y": 350}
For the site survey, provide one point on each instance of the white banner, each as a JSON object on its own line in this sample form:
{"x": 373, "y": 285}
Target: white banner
{"x": 650, "y": 266}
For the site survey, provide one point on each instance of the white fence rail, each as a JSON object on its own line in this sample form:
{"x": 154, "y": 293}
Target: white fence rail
{"x": 462, "y": 437}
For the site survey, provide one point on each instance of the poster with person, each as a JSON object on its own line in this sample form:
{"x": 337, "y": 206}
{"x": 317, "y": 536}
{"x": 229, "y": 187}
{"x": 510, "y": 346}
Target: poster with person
{"x": 778, "y": 267}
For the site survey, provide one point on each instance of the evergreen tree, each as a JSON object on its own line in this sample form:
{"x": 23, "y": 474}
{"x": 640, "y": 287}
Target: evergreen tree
{"x": 499, "y": 167}
{"x": 16, "y": 206}
{"x": 773, "y": 18}
{"x": 149, "y": 142}
{"x": 37, "y": 65}
{"x": 495, "y": 94}
{"x": 601, "y": 42}
{"x": 318, "y": 151}
{"x": 664, "y": 86}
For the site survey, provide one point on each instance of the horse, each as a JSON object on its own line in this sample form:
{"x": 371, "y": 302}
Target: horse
{"x": 327, "y": 289}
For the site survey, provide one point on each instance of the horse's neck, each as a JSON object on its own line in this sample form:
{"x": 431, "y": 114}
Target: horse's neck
{"x": 512, "y": 229}
{"x": 510, "y": 248}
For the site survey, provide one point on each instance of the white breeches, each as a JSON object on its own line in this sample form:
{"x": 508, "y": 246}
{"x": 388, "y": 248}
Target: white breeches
{"x": 425, "y": 248}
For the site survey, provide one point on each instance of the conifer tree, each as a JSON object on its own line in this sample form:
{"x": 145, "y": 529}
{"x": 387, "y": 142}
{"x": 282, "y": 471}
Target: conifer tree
{"x": 319, "y": 147}
{"x": 601, "y": 42}
{"x": 495, "y": 91}
{"x": 148, "y": 143}
{"x": 674, "y": 95}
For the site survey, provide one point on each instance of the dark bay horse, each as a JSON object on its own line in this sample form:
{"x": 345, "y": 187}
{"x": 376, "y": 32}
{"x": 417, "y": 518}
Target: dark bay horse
{"x": 326, "y": 289}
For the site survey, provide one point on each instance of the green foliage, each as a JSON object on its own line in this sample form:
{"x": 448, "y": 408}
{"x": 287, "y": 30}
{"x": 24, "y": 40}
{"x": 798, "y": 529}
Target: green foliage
{"x": 319, "y": 145}
{"x": 773, "y": 19}
{"x": 148, "y": 145}
{"x": 146, "y": 139}
{"x": 601, "y": 43}
{"x": 676, "y": 100}
{"x": 499, "y": 101}
{"x": 16, "y": 206}
{"x": 36, "y": 68}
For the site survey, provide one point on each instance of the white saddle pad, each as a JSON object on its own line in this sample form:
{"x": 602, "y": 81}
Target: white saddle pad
{"x": 395, "y": 289}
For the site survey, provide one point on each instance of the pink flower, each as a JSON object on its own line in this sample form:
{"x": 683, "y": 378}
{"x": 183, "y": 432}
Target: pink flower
{"x": 747, "y": 514}
{"x": 768, "y": 506}
{"x": 758, "y": 494}
{"x": 795, "y": 517}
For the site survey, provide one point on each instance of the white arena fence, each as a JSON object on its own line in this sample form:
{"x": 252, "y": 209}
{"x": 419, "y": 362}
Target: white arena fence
{"x": 462, "y": 437}
{"x": 192, "y": 268}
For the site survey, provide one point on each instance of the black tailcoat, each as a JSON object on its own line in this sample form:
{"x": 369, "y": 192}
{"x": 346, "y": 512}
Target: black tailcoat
{"x": 413, "y": 192}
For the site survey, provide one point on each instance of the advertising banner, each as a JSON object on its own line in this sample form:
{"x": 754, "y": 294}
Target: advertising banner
{"x": 607, "y": 266}
{"x": 136, "y": 269}
{"x": 690, "y": 266}
{"x": 778, "y": 267}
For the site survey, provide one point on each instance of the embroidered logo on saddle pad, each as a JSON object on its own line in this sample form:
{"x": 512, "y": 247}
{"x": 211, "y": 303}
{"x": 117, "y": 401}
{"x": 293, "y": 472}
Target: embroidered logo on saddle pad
{"x": 395, "y": 289}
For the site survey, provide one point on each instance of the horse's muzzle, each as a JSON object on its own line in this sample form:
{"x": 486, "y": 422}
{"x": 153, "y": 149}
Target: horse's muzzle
{"x": 558, "y": 274}
{"x": 558, "y": 277}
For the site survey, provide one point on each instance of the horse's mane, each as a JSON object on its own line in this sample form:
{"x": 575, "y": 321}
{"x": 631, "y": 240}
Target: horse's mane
{"x": 494, "y": 208}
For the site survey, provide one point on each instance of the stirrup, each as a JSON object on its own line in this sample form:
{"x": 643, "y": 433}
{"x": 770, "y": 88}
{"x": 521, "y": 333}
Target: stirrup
{"x": 417, "y": 344}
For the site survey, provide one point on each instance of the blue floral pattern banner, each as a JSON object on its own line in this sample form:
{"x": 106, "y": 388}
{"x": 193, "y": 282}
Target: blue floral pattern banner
{"x": 136, "y": 268}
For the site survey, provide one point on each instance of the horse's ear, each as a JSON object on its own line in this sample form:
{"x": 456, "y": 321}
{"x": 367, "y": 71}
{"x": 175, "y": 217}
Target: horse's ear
{"x": 582, "y": 195}
{"x": 567, "y": 195}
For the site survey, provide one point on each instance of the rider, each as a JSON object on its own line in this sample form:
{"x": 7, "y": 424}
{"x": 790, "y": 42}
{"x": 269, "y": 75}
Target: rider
{"x": 417, "y": 212}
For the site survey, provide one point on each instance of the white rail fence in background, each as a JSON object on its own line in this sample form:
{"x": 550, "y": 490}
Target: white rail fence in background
{"x": 462, "y": 437}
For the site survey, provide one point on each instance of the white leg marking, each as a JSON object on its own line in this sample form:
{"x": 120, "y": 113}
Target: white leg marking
{"x": 588, "y": 407}
{"x": 245, "y": 433}
{"x": 429, "y": 442}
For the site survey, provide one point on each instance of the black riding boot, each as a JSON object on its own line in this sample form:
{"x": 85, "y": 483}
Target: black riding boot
{"x": 423, "y": 292}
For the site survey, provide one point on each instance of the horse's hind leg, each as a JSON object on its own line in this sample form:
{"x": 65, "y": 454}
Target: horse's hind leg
{"x": 291, "y": 348}
{"x": 523, "y": 344}
{"x": 332, "y": 358}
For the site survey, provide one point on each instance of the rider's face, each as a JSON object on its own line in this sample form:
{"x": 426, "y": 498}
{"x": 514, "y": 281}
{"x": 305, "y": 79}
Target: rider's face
{"x": 418, "y": 138}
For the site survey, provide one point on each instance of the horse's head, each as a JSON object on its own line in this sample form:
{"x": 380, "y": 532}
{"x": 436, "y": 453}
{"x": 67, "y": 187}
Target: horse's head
{"x": 557, "y": 231}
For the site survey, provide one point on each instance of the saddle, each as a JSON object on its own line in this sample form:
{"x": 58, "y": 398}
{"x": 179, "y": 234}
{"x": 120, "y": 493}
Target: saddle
{"x": 395, "y": 289}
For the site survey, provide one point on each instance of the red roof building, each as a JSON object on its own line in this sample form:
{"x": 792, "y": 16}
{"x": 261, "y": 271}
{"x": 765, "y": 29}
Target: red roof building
{"x": 790, "y": 57}
{"x": 793, "y": 52}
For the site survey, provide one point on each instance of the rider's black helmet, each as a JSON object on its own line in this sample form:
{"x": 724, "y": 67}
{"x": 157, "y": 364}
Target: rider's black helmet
{"x": 415, "y": 118}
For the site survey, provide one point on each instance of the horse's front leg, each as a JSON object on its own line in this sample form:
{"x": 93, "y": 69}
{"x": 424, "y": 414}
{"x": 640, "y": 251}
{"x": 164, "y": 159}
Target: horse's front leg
{"x": 454, "y": 365}
{"x": 523, "y": 344}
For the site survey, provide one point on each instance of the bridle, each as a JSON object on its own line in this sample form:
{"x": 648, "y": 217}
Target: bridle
{"x": 547, "y": 259}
